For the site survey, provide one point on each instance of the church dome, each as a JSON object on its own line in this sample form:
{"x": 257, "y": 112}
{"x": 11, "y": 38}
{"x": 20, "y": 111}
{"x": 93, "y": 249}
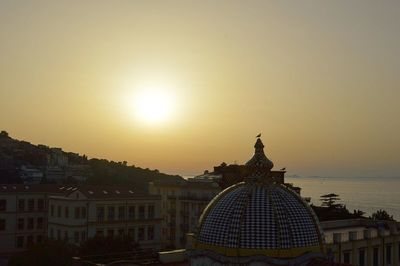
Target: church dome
{"x": 258, "y": 220}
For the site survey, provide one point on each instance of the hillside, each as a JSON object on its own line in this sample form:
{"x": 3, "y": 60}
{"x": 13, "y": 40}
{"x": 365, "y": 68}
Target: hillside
{"x": 23, "y": 162}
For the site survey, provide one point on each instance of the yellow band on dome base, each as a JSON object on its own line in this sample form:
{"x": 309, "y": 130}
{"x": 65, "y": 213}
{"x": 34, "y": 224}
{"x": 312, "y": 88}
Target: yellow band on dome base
{"x": 246, "y": 252}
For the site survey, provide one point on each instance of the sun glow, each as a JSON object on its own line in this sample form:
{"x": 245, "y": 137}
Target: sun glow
{"x": 154, "y": 105}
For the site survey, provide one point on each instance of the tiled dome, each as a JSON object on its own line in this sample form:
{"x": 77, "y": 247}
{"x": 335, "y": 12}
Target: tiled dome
{"x": 259, "y": 219}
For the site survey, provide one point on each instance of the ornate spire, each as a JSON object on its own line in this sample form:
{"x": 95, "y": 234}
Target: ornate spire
{"x": 259, "y": 165}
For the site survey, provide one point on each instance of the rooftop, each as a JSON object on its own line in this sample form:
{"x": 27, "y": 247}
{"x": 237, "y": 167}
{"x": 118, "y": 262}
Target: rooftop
{"x": 90, "y": 191}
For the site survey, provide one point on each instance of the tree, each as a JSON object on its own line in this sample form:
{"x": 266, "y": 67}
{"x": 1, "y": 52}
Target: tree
{"x": 358, "y": 213}
{"x": 100, "y": 245}
{"x": 4, "y": 133}
{"x": 329, "y": 200}
{"x": 48, "y": 253}
{"x": 382, "y": 215}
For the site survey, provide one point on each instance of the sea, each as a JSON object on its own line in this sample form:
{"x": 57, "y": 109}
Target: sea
{"x": 367, "y": 194}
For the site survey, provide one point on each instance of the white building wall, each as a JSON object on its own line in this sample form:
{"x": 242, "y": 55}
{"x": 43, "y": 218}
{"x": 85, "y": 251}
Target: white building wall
{"x": 92, "y": 225}
{"x": 14, "y": 238}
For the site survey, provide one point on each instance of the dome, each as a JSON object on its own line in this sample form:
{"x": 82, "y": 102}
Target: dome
{"x": 258, "y": 219}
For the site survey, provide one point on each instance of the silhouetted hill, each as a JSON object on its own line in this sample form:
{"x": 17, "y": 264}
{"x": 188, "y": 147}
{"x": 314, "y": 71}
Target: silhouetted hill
{"x": 21, "y": 158}
{"x": 109, "y": 172}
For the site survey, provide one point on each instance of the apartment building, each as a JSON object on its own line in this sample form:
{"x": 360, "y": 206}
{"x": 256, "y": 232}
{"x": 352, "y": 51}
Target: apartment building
{"x": 157, "y": 218}
{"x": 23, "y": 215}
{"x": 86, "y": 211}
{"x": 182, "y": 203}
{"x": 363, "y": 242}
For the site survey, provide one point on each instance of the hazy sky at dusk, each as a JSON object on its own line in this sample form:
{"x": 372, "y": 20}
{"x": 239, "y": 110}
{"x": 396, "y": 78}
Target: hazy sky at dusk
{"x": 319, "y": 79}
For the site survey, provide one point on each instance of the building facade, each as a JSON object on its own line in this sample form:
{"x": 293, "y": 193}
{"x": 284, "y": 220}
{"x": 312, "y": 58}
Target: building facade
{"x": 182, "y": 203}
{"x": 23, "y": 215}
{"x": 363, "y": 242}
{"x": 88, "y": 211}
{"x": 157, "y": 219}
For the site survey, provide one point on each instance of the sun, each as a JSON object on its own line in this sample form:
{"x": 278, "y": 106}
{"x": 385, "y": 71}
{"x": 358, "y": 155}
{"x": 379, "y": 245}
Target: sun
{"x": 154, "y": 105}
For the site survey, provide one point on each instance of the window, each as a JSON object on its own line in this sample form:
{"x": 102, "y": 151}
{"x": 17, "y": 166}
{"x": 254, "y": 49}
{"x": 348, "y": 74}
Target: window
{"x": 111, "y": 213}
{"x": 30, "y": 223}
{"x": 375, "y": 257}
{"x": 76, "y": 236}
{"x": 2, "y": 224}
{"x": 77, "y": 213}
{"x": 99, "y": 232}
{"x": 110, "y": 233}
{"x": 39, "y": 223}
{"x": 131, "y": 212}
{"x": 131, "y": 233}
{"x": 121, "y": 231}
{"x": 150, "y": 233}
{"x": 83, "y": 212}
{"x": 186, "y": 207}
{"x": 100, "y": 214}
{"x": 39, "y": 238}
{"x": 52, "y": 210}
{"x": 21, "y": 205}
{"x": 141, "y": 233}
{"x": 52, "y": 233}
{"x": 83, "y": 235}
{"x": 361, "y": 257}
{"x": 20, "y": 242}
{"x": 150, "y": 212}
{"x": 66, "y": 212}
{"x": 29, "y": 241}
{"x": 66, "y": 235}
{"x": 40, "y": 204}
{"x": 21, "y": 223}
{"x": 141, "y": 212}
{"x": 31, "y": 204}
{"x": 58, "y": 234}
{"x": 3, "y": 205}
{"x": 346, "y": 257}
{"x": 58, "y": 211}
{"x": 121, "y": 213}
{"x": 388, "y": 254}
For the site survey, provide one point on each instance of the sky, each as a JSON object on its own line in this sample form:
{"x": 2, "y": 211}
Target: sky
{"x": 319, "y": 79}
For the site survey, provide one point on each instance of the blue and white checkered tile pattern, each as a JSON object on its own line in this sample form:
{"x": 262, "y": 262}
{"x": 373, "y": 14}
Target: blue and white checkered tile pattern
{"x": 216, "y": 224}
{"x": 259, "y": 217}
{"x": 285, "y": 235}
{"x": 237, "y": 214}
{"x": 258, "y": 229}
{"x": 304, "y": 230}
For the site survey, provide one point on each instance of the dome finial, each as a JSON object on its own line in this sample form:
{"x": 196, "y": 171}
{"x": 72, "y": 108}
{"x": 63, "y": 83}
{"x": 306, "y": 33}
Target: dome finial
{"x": 259, "y": 165}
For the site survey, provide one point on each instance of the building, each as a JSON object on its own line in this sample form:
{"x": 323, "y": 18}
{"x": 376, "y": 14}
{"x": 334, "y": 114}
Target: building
{"x": 363, "y": 242}
{"x": 23, "y": 215}
{"x": 87, "y": 211}
{"x": 182, "y": 203}
{"x": 156, "y": 219}
{"x": 30, "y": 175}
{"x": 228, "y": 175}
{"x": 259, "y": 221}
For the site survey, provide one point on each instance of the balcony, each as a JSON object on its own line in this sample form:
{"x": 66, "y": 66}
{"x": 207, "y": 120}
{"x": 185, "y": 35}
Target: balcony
{"x": 185, "y": 212}
{"x": 172, "y": 224}
{"x": 185, "y": 227}
{"x": 196, "y": 198}
{"x": 172, "y": 211}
